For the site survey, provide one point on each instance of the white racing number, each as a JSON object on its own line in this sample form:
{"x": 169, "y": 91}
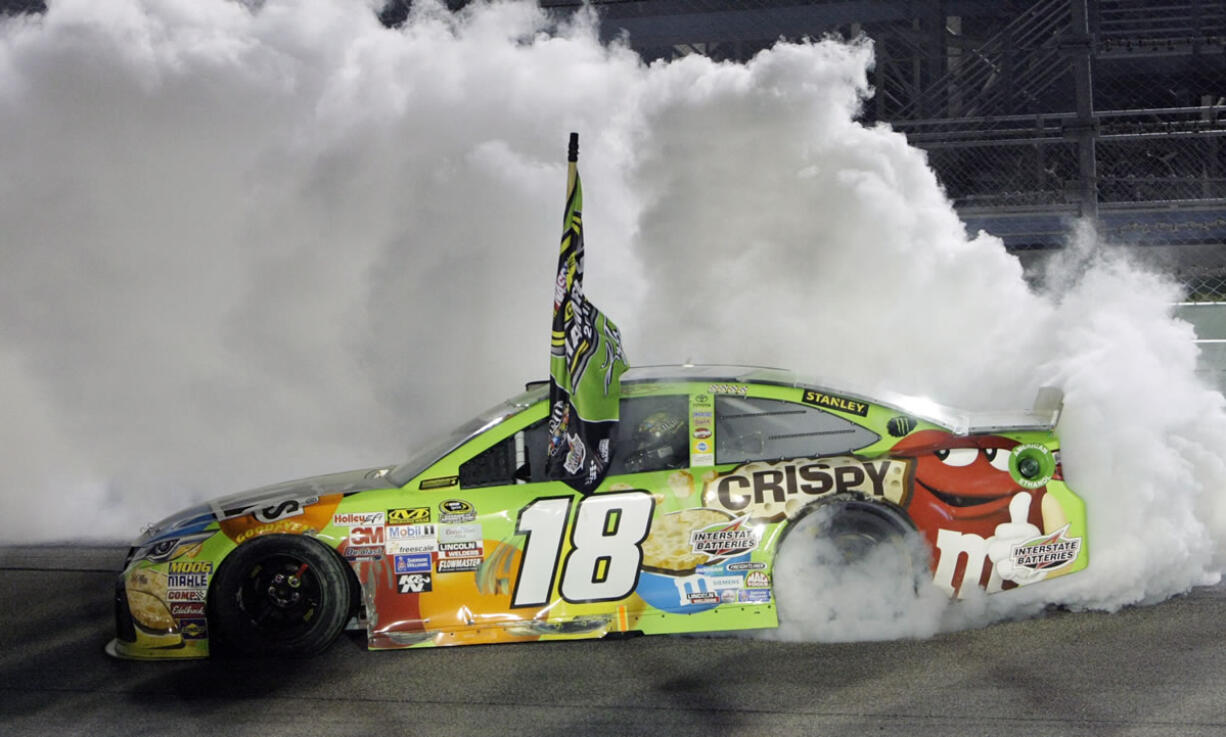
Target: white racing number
{"x": 606, "y": 547}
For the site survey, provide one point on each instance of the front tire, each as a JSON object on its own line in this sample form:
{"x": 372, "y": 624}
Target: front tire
{"x": 279, "y": 595}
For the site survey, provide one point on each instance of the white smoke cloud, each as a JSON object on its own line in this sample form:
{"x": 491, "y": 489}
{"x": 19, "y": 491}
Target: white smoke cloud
{"x": 242, "y": 245}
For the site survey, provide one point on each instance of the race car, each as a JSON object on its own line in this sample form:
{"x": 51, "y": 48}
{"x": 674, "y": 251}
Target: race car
{"x": 716, "y": 469}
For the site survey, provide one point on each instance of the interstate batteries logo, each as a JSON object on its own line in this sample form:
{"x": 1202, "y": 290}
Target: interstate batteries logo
{"x": 1047, "y": 553}
{"x": 725, "y": 539}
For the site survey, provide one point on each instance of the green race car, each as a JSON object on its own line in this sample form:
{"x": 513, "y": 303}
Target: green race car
{"x": 716, "y": 469}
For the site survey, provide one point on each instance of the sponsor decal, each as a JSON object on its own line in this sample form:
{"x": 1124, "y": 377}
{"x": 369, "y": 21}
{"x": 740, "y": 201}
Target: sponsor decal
{"x": 453, "y": 565}
{"x": 459, "y": 533}
{"x": 416, "y": 563}
{"x": 187, "y": 609}
{"x": 755, "y": 596}
{"x": 414, "y": 583}
{"x": 194, "y": 629}
{"x": 364, "y": 552}
{"x": 270, "y": 512}
{"x": 191, "y": 566}
{"x": 900, "y": 426}
{"x": 409, "y": 532}
{"x": 460, "y": 549}
{"x": 185, "y": 595}
{"x": 763, "y": 490}
{"x": 752, "y": 565}
{"x": 300, "y": 515}
{"x": 414, "y": 516}
{"x": 701, "y": 446}
{"x": 455, "y": 511}
{"x": 358, "y": 519}
{"x": 724, "y": 539}
{"x": 835, "y": 402}
{"x": 285, "y": 526}
{"x": 1047, "y": 553}
{"x": 727, "y": 596}
{"x": 737, "y": 389}
{"x": 187, "y": 580}
{"x": 757, "y": 580}
{"x": 366, "y": 536}
{"x": 702, "y": 433}
{"x": 439, "y": 483}
{"x": 703, "y": 597}
{"x": 725, "y": 582}
{"x": 701, "y": 399}
{"x": 412, "y": 547}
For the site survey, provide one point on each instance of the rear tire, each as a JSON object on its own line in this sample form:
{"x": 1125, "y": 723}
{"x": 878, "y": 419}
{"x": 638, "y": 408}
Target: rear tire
{"x": 279, "y": 595}
{"x": 849, "y": 570}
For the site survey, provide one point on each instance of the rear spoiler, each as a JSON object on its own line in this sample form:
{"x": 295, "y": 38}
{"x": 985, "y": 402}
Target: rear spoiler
{"x": 1042, "y": 417}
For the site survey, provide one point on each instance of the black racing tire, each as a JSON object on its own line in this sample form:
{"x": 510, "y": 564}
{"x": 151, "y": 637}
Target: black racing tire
{"x": 850, "y": 570}
{"x": 854, "y": 534}
{"x": 284, "y": 595}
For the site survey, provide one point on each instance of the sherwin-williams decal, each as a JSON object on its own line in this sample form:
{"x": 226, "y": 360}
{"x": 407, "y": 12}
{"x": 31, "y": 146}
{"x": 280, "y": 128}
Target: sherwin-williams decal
{"x": 771, "y": 492}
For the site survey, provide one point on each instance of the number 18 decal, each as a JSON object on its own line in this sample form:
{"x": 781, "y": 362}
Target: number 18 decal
{"x": 606, "y": 547}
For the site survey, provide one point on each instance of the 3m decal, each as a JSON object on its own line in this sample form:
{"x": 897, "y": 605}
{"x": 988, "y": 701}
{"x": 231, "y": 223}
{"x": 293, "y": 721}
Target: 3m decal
{"x": 414, "y": 516}
{"x": 606, "y": 547}
{"x": 366, "y": 536}
{"x": 835, "y": 402}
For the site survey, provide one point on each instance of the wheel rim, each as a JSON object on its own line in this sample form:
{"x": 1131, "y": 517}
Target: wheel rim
{"x": 281, "y": 595}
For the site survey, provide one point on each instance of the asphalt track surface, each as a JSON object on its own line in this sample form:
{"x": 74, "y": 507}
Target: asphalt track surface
{"x": 1158, "y": 670}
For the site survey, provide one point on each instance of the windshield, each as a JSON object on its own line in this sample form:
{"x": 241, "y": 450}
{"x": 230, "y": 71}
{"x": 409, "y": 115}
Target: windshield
{"x": 431, "y": 452}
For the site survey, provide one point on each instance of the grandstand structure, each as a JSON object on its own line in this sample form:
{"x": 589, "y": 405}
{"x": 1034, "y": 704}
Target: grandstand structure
{"x": 1034, "y": 113}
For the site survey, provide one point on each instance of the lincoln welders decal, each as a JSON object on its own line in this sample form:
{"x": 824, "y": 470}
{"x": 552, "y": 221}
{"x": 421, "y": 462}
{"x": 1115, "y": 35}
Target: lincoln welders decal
{"x": 773, "y": 491}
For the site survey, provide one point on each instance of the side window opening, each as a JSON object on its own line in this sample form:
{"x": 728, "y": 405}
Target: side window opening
{"x": 753, "y": 429}
{"x": 652, "y": 434}
{"x": 518, "y": 459}
{"x": 494, "y": 466}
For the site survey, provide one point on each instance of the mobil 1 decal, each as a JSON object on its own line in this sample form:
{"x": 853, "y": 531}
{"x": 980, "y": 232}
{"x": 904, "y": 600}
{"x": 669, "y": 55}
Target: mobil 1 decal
{"x": 606, "y": 547}
{"x": 772, "y": 491}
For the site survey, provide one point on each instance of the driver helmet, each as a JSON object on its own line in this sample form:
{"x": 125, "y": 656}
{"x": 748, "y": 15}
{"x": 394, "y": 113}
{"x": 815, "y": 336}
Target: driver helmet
{"x": 660, "y": 441}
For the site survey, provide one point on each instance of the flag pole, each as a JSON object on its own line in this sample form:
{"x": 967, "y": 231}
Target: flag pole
{"x": 572, "y": 156}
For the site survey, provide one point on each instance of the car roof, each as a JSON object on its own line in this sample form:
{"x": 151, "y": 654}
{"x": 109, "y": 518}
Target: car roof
{"x": 1043, "y": 416}
{"x": 715, "y": 373}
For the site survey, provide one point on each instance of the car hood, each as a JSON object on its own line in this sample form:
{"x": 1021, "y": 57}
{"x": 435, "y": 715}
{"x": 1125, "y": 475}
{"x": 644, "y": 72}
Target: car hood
{"x": 195, "y": 519}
